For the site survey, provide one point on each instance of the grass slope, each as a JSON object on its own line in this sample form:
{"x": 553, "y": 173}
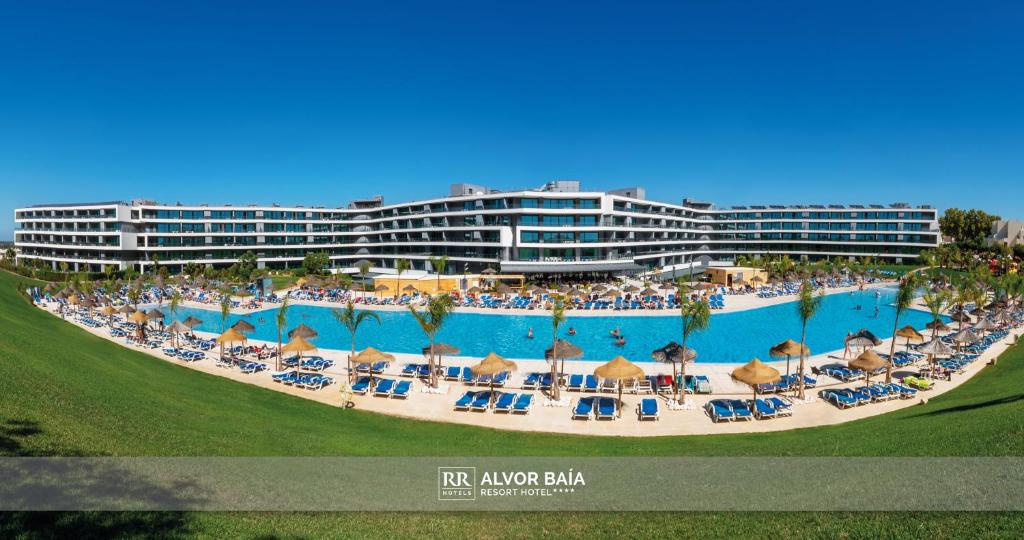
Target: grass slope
{"x": 66, "y": 392}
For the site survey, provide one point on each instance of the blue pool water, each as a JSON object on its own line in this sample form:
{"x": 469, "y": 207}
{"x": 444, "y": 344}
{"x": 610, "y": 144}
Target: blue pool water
{"x": 732, "y": 337}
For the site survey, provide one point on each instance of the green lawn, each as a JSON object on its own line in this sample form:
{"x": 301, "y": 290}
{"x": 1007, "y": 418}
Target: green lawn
{"x": 65, "y": 392}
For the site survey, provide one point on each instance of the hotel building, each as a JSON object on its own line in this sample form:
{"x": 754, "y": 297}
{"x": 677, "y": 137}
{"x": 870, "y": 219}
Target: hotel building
{"x": 556, "y": 228}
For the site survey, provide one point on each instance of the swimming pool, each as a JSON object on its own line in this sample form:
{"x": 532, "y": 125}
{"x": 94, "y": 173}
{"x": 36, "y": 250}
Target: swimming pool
{"x": 732, "y": 337}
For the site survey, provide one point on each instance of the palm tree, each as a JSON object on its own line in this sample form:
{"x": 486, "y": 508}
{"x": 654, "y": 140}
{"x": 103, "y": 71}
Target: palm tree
{"x": 173, "y": 306}
{"x": 225, "y": 311}
{"x": 936, "y": 303}
{"x": 439, "y": 264}
{"x": 364, "y": 270}
{"x": 133, "y": 296}
{"x": 438, "y": 309}
{"x": 401, "y": 265}
{"x": 904, "y": 297}
{"x": 63, "y": 265}
{"x": 352, "y": 320}
{"x": 807, "y": 306}
{"x": 557, "y": 318}
{"x": 695, "y": 316}
{"x": 281, "y": 319}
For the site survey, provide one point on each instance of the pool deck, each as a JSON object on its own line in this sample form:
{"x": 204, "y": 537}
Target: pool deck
{"x": 439, "y": 406}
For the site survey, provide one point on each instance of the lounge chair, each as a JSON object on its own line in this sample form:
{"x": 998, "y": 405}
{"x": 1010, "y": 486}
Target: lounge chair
{"x": 591, "y": 384}
{"x": 607, "y": 408}
{"x": 740, "y": 410}
{"x": 361, "y": 386}
{"x": 467, "y": 376}
{"x": 583, "y": 409}
{"x": 575, "y": 383}
{"x": 531, "y": 381}
{"x": 453, "y": 373}
{"x": 464, "y": 402}
{"x": 505, "y": 402}
{"x": 782, "y": 406}
{"x": 523, "y": 404}
{"x": 384, "y": 387}
{"x": 401, "y": 390}
{"x": 643, "y": 386}
{"x": 610, "y": 385}
{"x": 764, "y": 410}
{"x": 918, "y": 383}
{"x": 647, "y": 409}
{"x": 719, "y": 410}
{"x": 839, "y": 399}
{"x": 481, "y": 401}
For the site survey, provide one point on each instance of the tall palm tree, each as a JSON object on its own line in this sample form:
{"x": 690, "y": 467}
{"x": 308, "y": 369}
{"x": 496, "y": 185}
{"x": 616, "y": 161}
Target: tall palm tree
{"x": 806, "y": 306}
{"x": 352, "y": 320}
{"x": 695, "y": 316}
{"x": 364, "y": 270}
{"x": 904, "y": 298}
{"x": 431, "y": 321}
{"x": 439, "y": 264}
{"x": 936, "y": 303}
{"x": 401, "y": 266}
{"x": 133, "y": 296}
{"x": 557, "y": 318}
{"x": 281, "y": 320}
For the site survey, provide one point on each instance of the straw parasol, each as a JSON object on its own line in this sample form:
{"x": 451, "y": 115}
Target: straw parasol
{"x": 474, "y": 290}
{"x": 74, "y": 300}
{"x": 192, "y": 322}
{"x": 126, "y": 310}
{"x": 755, "y": 372}
{"x": 648, "y": 292}
{"x": 369, "y": 356}
{"x": 673, "y": 353}
{"x": 863, "y": 338}
{"x": 911, "y": 334}
{"x": 503, "y": 289}
{"x": 243, "y": 326}
{"x": 938, "y": 325}
{"x": 936, "y": 348}
{"x": 961, "y": 317}
{"x": 302, "y": 331}
{"x": 298, "y": 345}
{"x": 138, "y": 317}
{"x": 381, "y": 288}
{"x": 441, "y": 349}
{"x": 631, "y": 289}
{"x": 176, "y": 327}
{"x": 156, "y": 314}
{"x": 984, "y": 325}
{"x": 868, "y": 361}
{"x": 562, "y": 350}
{"x": 965, "y": 336}
{"x": 489, "y": 271}
{"x": 619, "y": 369}
{"x": 491, "y": 365}
{"x": 231, "y": 336}
{"x": 789, "y": 349}
{"x": 409, "y": 288}
{"x": 108, "y": 310}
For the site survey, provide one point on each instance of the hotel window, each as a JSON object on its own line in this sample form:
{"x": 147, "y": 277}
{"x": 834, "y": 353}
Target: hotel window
{"x": 558, "y": 221}
{"x": 528, "y": 236}
{"x": 528, "y": 203}
{"x": 588, "y": 237}
{"x": 528, "y": 220}
{"x": 587, "y": 204}
{"x": 558, "y": 203}
{"x": 586, "y": 221}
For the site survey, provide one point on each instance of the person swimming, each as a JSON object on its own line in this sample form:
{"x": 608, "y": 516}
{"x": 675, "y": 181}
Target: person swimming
{"x": 529, "y": 334}
{"x": 616, "y": 333}
{"x": 572, "y": 331}
{"x": 621, "y": 341}
{"x": 876, "y": 312}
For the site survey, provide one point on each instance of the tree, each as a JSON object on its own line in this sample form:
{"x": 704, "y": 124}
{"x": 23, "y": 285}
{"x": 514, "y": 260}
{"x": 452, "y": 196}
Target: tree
{"x": 557, "y": 318}
{"x": 438, "y": 309}
{"x": 364, "y": 270}
{"x": 352, "y": 320}
{"x": 281, "y": 319}
{"x": 63, "y": 265}
{"x": 695, "y": 316}
{"x": 246, "y": 265}
{"x": 904, "y": 298}
{"x": 439, "y": 264}
{"x": 9, "y": 254}
{"x": 401, "y": 266}
{"x": 173, "y": 306}
{"x": 225, "y": 310}
{"x": 133, "y": 296}
{"x": 155, "y": 259}
{"x": 969, "y": 227}
{"x": 316, "y": 263}
{"x": 807, "y": 306}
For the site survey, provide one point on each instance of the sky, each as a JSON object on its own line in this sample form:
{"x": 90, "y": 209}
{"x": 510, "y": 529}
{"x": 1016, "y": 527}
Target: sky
{"x": 736, "y": 102}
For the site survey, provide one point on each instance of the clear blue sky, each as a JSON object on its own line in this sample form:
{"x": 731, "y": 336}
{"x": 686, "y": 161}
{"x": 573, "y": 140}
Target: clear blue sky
{"x": 736, "y": 102}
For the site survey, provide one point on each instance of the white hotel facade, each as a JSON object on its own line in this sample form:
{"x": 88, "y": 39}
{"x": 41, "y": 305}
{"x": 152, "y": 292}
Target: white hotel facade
{"x": 553, "y": 229}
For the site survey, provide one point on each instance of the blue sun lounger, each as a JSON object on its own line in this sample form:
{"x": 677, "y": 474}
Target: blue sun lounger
{"x": 409, "y": 370}
{"x": 719, "y": 410}
{"x": 401, "y": 390}
{"x": 591, "y": 384}
{"x": 361, "y": 386}
{"x": 839, "y": 399}
{"x": 647, "y": 409}
{"x": 583, "y": 409}
{"x": 463, "y": 403}
{"x": 452, "y": 373}
{"x": 504, "y": 402}
{"x": 782, "y": 407}
{"x": 467, "y": 376}
{"x": 523, "y": 404}
{"x": 384, "y": 387}
{"x": 575, "y": 382}
{"x": 764, "y": 410}
{"x": 286, "y": 377}
{"x": 531, "y": 381}
{"x": 740, "y": 410}
{"x": 607, "y": 408}
{"x": 481, "y": 402}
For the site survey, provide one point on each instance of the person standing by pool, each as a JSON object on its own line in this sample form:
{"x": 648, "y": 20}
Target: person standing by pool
{"x": 529, "y": 333}
{"x": 846, "y": 350}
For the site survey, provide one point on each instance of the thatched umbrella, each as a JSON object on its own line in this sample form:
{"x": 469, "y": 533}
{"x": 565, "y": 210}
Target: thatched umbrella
{"x": 441, "y": 349}
{"x": 562, "y": 349}
{"x": 230, "y": 336}
{"x": 755, "y": 372}
{"x": 619, "y": 369}
{"x": 938, "y": 325}
{"x": 381, "y": 288}
{"x": 503, "y": 289}
{"x": 648, "y": 292}
{"x": 984, "y": 325}
{"x": 631, "y": 289}
{"x": 863, "y": 338}
{"x": 789, "y": 349}
{"x": 138, "y": 318}
{"x": 156, "y": 314}
{"x": 175, "y": 328}
{"x": 868, "y": 361}
{"x": 673, "y": 353}
{"x": 491, "y": 365}
{"x": 302, "y": 331}
{"x": 243, "y": 326}
{"x": 298, "y": 345}
{"x": 961, "y": 317}
{"x": 965, "y": 336}
{"x": 979, "y": 312}
{"x": 74, "y": 299}
{"x": 474, "y": 290}
{"x": 935, "y": 348}
{"x": 489, "y": 271}
{"x": 409, "y": 288}
{"x": 126, "y": 310}
{"x": 369, "y": 356}
{"x": 109, "y": 311}
{"x": 911, "y": 334}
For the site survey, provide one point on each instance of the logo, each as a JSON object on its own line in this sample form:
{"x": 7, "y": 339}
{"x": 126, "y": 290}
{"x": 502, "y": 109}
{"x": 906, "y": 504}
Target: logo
{"x": 456, "y": 483}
